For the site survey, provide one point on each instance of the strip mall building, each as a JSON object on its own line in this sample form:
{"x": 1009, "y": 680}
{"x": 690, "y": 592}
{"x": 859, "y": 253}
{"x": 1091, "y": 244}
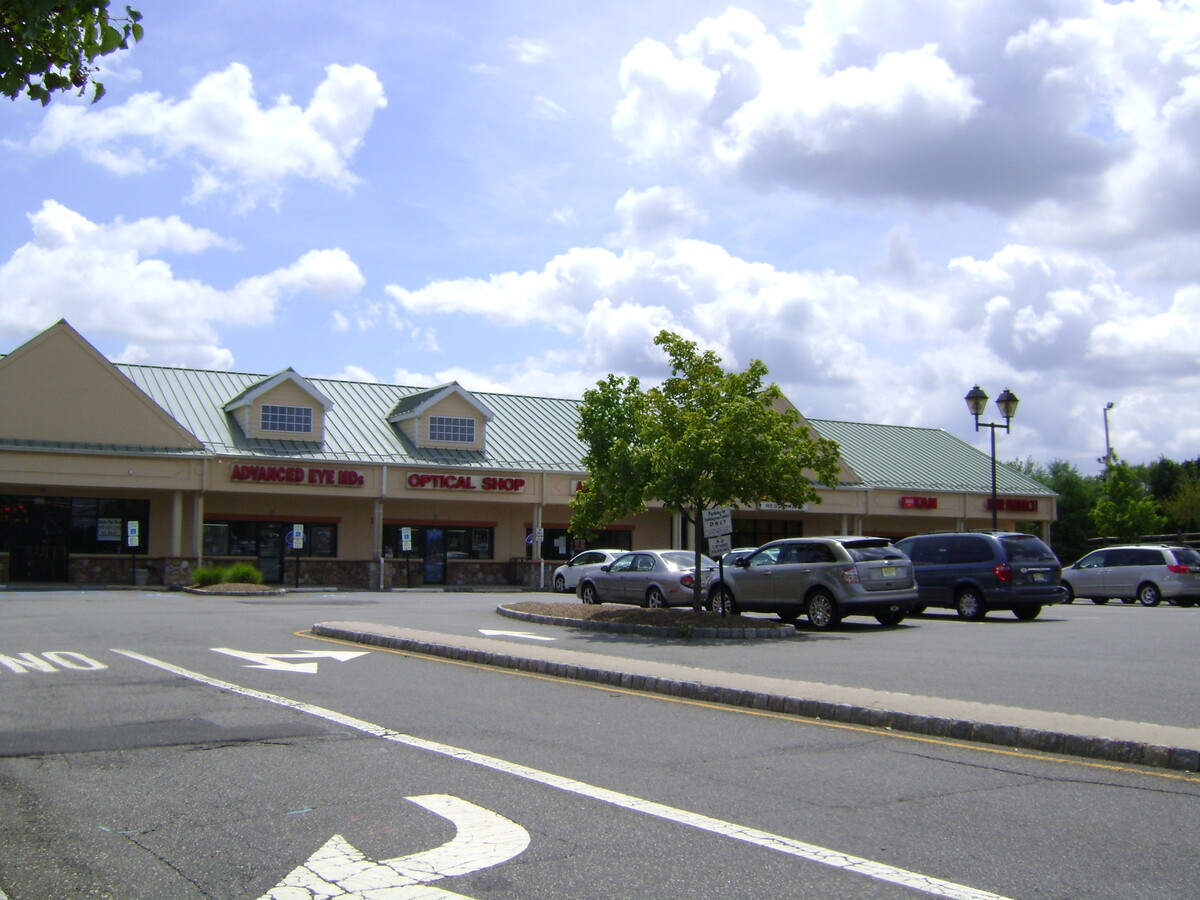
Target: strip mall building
{"x": 118, "y": 474}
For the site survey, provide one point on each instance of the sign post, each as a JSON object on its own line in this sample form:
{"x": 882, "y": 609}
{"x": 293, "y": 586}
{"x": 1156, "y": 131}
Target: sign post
{"x": 406, "y": 546}
{"x": 132, "y": 539}
{"x": 297, "y": 540}
{"x": 718, "y": 528}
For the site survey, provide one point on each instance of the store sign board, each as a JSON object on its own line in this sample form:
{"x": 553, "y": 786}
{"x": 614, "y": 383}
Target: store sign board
{"x": 1012, "y": 504}
{"x": 494, "y": 483}
{"x": 260, "y": 474}
{"x": 918, "y": 502}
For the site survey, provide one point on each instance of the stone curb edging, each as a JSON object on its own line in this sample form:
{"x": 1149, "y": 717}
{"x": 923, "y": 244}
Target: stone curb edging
{"x": 1016, "y": 737}
{"x": 203, "y": 591}
{"x": 688, "y": 631}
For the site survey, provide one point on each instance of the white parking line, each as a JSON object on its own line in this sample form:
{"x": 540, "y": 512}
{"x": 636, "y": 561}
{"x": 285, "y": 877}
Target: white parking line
{"x": 929, "y": 885}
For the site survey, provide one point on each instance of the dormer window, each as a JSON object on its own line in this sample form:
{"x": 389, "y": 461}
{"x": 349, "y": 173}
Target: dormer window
{"x": 452, "y": 428}
{"x": 294, "y": 419}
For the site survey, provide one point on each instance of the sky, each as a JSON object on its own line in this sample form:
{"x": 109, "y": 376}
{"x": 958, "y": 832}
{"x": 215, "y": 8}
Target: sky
{"x": 886, "y": 203}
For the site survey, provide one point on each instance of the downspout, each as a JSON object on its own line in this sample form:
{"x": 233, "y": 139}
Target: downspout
{"x": 198, "y": 515}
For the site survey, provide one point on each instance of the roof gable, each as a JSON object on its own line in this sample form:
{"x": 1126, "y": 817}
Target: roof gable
{"x": 420, "y": 403}
{"x": 287, "y": 376}
{"x": 58, "y": 388}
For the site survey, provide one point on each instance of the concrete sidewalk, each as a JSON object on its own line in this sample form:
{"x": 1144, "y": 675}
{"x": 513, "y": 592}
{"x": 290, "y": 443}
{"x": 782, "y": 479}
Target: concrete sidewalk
{"x": 1141, "y": 743}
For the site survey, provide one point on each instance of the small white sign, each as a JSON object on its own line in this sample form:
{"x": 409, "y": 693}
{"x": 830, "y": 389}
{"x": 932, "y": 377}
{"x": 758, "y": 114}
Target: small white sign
{"x": 297, "y": 537}
{"x": 539, "y": 535}
{"x": 405, "y": 538}
{"x": 719, "y": 546}
{"x": 131, "y": 534}
{"x": 718, "y": 521}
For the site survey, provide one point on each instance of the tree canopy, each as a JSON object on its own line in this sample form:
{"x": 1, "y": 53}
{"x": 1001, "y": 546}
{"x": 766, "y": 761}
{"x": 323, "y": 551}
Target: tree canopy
{"x": 50, "y": 45}
{"x": 1125, "y": 508}
{"x": 705, "y": 438}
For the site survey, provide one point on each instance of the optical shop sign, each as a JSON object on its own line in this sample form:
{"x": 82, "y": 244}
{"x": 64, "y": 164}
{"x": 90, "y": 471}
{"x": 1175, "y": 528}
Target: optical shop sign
{"x": 495, "y": 483}
{"x": 296, "y": 475}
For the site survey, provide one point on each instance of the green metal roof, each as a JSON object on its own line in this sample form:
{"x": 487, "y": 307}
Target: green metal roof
{"x": 898, "y": 456}
{"x": 527, "y": 433}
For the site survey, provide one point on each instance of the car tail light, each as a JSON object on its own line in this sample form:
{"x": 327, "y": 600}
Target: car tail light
{"x": 687, "y": 580}
{"x": 1003, "y": 572}
{"x": 1179, "y": 570}
{"x": 850, "y": 575}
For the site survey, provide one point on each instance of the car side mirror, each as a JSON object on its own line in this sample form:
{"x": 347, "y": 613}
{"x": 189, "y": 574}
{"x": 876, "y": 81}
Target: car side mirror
{"x": 740, "y": 562}
{"x": 604, "y": 568}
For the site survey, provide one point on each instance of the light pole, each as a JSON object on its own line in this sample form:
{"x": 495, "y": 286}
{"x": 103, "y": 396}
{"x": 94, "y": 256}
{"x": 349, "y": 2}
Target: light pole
{"x": 1107, "y": 446}
{"x": 1007, "y": 404}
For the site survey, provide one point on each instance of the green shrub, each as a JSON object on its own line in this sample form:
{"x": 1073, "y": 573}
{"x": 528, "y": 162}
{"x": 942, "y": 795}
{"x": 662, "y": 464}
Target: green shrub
{"x": 243, "y": 573}
{"x": 207, "y": 576}
{"x": 238, "y": 573}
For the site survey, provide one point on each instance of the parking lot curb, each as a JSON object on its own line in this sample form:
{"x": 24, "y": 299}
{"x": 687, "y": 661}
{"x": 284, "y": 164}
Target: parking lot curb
{"x": 1042, "y": 740}
{"x": 766, "y": 631}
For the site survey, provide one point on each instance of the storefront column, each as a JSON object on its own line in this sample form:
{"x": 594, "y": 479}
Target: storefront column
{"x": 176, "y": 523}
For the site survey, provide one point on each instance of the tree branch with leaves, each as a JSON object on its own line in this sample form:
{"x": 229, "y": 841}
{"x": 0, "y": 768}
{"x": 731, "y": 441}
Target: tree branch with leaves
{"x": 705, "y": 438}
{"x": 50, "y": 45}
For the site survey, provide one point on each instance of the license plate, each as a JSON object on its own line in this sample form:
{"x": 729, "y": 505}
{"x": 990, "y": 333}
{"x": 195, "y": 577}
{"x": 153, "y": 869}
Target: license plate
{"x": 1039, "y": 576}
{"x": 889, "y": 571}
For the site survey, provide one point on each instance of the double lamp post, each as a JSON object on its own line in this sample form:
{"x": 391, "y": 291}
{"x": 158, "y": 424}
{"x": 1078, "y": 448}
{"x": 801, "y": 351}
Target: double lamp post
{"x": 1007, "y": 404}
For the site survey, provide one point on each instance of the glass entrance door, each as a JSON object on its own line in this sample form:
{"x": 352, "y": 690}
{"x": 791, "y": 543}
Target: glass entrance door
{"x": 270, "y": 552}
{"x": 435, "y": 556}
{"x": 39, "y": 539}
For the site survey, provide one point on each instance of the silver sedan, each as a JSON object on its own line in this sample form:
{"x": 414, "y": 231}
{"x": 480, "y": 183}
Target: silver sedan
{"x": 654, "y": 578}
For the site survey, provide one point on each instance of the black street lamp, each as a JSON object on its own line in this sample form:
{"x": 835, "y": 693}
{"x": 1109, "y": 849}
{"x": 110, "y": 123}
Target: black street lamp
{"x": 1007, "y": 404}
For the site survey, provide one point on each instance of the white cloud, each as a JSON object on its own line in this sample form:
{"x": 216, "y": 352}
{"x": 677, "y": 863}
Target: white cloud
{"x": 1084, "y": 114}
{"x": 528, "y": 51}
{"x": 234, "y": 145}
{"x": 113, "y": 280}
{"x": 1056, "y": 326}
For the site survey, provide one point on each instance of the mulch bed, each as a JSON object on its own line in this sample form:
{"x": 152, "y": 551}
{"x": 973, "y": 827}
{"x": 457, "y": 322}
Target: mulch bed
{"x": 637, "y": 615}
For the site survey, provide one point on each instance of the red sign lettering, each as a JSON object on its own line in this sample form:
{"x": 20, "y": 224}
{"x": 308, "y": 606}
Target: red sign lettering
{"x": 1011, "y": 504}
{"x": 918, "y": 502}
{"x": 466, "y": 482}
{"x": 295, "y": 475}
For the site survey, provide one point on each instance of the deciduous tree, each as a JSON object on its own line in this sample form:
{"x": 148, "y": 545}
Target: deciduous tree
{"x": 1125, "y": 509}
{"x": 50, "y": 45}
{"x": 705, "y": 438}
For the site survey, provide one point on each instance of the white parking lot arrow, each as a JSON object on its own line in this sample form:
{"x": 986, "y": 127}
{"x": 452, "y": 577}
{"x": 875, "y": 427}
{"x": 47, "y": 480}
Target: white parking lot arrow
{"x": 339, "y": 870}
{"x": 520, "y": 634}
{"x": 276, "y": 660}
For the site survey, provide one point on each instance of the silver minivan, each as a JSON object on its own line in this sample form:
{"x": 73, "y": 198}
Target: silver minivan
{"x": 823, "y": 578}
{"x": 1149, "y": 573}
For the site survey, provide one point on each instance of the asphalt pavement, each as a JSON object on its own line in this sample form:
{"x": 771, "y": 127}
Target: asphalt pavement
{"x": 1033, "y": 730}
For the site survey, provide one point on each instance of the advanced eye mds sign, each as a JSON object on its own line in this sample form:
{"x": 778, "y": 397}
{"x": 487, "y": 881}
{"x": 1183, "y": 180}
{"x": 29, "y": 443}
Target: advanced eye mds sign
{"x": 296, "y": 475}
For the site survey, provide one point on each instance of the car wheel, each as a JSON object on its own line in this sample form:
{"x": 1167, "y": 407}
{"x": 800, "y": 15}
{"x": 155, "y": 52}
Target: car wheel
{"x": 1027, "y": 613}
{"x": 722, "y": 603}
{"x": 1099, "y": 601}
{"x": 588, "y": 593}
{"x": 917, "y": 610}
{"x": 655, "y": 599}
{"x": 560, "y": 584}
{"x": 891, "y": 617}
{"x": 1148, "y": 594}
{"x": 970, "y": 605}
{"x": 1070, "y": 598}
{"x": 822, "y": 611}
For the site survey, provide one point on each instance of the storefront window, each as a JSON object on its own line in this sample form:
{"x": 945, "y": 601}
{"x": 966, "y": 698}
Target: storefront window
{"x": 99, "y": 526}
{"x": 459, "y": 542}
{"x": 257, "y": 538}
{"x": 559, "y": 544}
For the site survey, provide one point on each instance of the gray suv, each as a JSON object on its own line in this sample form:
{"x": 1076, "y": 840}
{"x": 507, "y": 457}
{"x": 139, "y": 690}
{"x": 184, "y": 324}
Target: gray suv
{"x": 825, "y": 578}
{"x": 1149, "y": 573}
{"x": 974, "y": 572}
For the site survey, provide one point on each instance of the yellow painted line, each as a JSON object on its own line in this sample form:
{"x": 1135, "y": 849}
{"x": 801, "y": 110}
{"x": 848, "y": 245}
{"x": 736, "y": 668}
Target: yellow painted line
{"x": 845, "y": 726}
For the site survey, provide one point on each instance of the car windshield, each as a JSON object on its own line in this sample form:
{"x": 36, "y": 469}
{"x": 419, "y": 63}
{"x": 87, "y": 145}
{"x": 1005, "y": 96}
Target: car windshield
{"x": 685, "y": 559}
{"x": 1027, "y": 548}
{"x": 862, "y": 551}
